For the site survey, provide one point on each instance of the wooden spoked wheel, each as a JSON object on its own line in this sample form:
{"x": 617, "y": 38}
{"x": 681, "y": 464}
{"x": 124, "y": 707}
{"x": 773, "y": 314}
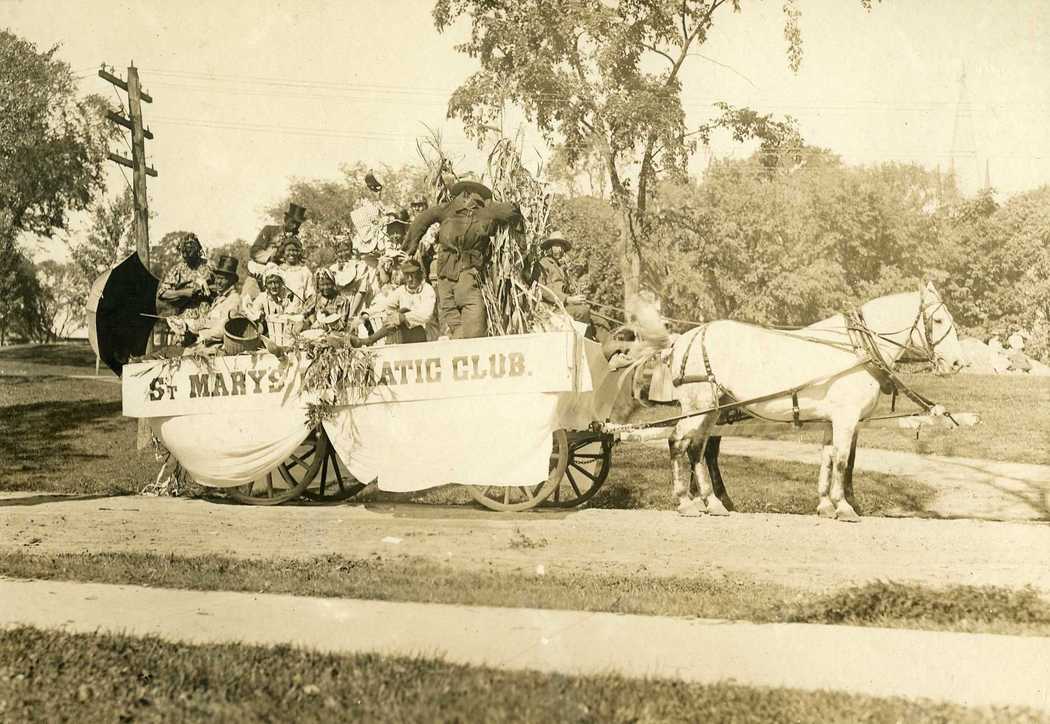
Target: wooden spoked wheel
{"x": 292, "y": 478}
{"x": 334, "y": 483}
{"x": 510, "y": 498}
{"x": 590, "y": 458}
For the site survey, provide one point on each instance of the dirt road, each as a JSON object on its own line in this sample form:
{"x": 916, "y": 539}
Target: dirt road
{"x": 802, "y": 551}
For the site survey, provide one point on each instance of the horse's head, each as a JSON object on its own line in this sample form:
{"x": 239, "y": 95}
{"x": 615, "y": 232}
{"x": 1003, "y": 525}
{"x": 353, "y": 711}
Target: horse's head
{"x": 935, "y": 334}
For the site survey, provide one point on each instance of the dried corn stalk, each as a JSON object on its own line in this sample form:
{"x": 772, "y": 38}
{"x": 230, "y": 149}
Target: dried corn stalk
{"x": 511, "y": 297}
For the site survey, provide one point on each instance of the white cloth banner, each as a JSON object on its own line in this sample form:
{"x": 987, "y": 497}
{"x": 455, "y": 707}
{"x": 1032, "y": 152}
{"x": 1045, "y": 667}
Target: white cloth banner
{"x": 228, "y": 449}
{"x": 502, "y": 440}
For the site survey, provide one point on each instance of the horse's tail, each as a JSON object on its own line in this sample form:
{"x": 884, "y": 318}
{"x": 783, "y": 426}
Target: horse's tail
{"x": 644, "y": 319}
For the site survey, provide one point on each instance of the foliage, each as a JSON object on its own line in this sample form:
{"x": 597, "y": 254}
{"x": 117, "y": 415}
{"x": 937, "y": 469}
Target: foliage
{"x": 61, "y": 311}
{"x": 882, "y": 601}
{"x": 996, "y": 266}
{"x": 52, "y": 143}
{"x": 590, "y": 223}
{"x": 110, "y": 238}
{"x": 581, "y": 72}
{"x": 21, "y": 313}
{"x": 329, "y": 204}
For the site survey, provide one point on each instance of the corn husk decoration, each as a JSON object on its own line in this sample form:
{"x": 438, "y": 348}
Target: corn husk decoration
{"x": 511, "y": 296}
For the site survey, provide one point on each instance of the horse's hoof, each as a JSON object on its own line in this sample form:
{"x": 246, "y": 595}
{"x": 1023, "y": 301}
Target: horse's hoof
{"x": 826, "y": 509}
{"x": 845, "y": 513}
{"x": 715, "y": 507}
{"x": 690, "y": 510}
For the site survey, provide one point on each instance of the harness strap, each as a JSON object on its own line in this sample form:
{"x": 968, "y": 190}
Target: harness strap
{"x": 794, "y": 410}
{"x": 682, "y": 378}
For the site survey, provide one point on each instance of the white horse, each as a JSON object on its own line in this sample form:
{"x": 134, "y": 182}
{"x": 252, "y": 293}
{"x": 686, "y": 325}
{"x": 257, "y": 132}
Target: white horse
{"x": 816, "y": 373}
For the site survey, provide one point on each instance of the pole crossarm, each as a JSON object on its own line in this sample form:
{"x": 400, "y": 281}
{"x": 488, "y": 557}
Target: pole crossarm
{"x": 107, "y": 76}
{"x": 122, "y": 121}
{"x": 150, "y": 171}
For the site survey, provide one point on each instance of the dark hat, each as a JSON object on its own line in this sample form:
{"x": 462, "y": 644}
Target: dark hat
{"x": 400, "y": 216}
{"x": 556, "y": 237}
{"x": 225, "y": 265}
{"x": 408, "y": 266}
{"x": 296, "y": 212}
{"x": 470, "y": 187}
{"x": 190, "y": 238}
{"x": 373, "y": 183}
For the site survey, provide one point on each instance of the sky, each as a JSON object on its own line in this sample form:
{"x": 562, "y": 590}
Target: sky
{"x": 249, "y": 95}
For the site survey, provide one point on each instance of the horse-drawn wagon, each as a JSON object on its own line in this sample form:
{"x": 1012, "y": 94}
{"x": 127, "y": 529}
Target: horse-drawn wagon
{"x": 510, "y": 417}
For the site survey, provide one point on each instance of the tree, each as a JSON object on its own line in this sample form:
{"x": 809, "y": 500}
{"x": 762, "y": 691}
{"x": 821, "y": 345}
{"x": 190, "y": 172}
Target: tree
{"x": 581, "y": 71}
{"x": 61, "y": 310}
{"x": 19, "y": 293}
{"x": 52, "y": 143}
{"x": 109, "y": 239}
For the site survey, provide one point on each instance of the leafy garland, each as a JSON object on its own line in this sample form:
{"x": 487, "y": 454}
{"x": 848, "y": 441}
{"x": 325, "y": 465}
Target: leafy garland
{"x": 338, "y": 372}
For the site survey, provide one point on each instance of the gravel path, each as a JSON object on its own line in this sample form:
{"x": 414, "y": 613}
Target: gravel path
{"x": 796, "y": 550}
{"x": 967, "y": 487}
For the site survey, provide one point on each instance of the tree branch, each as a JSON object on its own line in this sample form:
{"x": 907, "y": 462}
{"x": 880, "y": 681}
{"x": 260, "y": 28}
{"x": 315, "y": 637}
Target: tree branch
{"x": 658, "y": 52}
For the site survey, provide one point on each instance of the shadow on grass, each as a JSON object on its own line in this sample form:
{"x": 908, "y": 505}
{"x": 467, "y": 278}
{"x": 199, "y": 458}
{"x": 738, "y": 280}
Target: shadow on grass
{"x": 61, "y": 355}
{"x": 42, "y": 436}
{"x": 56, "y": 498}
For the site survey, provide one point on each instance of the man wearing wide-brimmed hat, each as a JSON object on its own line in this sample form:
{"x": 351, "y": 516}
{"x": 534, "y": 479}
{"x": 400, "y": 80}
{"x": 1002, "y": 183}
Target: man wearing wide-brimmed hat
{"x": 209, "y": 327}
{"x": 467, "y": 223}
{"x": 558, "y": 288}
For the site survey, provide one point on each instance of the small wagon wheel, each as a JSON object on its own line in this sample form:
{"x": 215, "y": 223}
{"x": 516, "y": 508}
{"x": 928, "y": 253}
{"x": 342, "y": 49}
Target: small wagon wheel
{"x": 590, "y": 459}
{"x": 334, "y": 484}
{"x": 510, "y": 498}
{"x": 296, "y": 473}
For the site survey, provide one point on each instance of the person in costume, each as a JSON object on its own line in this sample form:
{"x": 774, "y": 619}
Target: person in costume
{"x": 406, "y": 312}
{"x": 185, "y": 284}
{"x": 297, "y": 277}
{"x": 331, "y": 312}
{"x": 266, "y": 246}
{"x": 209, "y": 327}
{"x": 558, "y": 288}
{"x": 467, "y": 223}
{"x": 280, "y": 312}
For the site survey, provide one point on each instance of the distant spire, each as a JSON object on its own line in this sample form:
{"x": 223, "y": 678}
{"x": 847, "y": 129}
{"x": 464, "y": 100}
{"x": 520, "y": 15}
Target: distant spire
{"x": 963, "y": 163}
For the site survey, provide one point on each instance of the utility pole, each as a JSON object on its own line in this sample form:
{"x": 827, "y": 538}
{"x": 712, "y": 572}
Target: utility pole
{"x": 139, "y": 135}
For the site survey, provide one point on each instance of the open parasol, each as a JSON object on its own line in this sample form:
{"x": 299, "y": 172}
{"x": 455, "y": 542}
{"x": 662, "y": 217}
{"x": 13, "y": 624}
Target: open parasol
{"x": 115, "y": 305}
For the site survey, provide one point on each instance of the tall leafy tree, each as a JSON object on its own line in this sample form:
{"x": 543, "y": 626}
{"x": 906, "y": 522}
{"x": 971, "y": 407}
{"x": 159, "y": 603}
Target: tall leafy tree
{"x": 605, "y": 77}
{"x": 52, "y": 141}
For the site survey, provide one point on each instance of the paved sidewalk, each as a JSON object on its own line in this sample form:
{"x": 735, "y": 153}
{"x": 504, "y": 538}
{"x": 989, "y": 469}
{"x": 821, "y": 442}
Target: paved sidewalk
{"x": 967, "y": 669}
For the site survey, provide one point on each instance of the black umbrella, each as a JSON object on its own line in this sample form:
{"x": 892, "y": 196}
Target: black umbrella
{"x": 115, "y": 305}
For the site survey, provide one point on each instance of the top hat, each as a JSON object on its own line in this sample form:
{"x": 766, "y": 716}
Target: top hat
{"x": 470, "y": 187}
{"x": 295, "y": 212}
{"x": 556, "y": 237}
{"x": 225, "y": 265}
{"x": 372, "y": 182}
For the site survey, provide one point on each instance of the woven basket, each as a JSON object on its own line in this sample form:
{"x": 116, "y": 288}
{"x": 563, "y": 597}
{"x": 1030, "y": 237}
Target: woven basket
{"x": 241, "y": 335}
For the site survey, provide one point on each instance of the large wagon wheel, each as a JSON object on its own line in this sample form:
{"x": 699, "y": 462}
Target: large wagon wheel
{"x": 296, "y": 473}
{"x": 334, "y": 484}
{"x": 590, "y": 459}
{"x": 509, "y": 498}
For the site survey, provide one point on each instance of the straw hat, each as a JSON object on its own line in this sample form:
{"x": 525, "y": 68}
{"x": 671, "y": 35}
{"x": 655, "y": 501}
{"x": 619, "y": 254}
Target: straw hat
{"x": 556, "y": 237}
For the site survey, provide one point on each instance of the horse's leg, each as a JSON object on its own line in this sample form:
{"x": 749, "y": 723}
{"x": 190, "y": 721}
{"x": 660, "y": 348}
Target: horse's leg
{"x": 711, "y": 459}
{"x": 704, "y": 478}
{"x": 842, "y": 433}
{"x": 847, "y": 482}
{"x": 681, "y": 475}
{"x": 825, "y": 508}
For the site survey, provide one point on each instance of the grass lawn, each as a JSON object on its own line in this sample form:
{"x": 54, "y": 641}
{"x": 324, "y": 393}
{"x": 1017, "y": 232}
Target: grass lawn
{"x": 958, "y": 608}
{"x": 51, "y": 676}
